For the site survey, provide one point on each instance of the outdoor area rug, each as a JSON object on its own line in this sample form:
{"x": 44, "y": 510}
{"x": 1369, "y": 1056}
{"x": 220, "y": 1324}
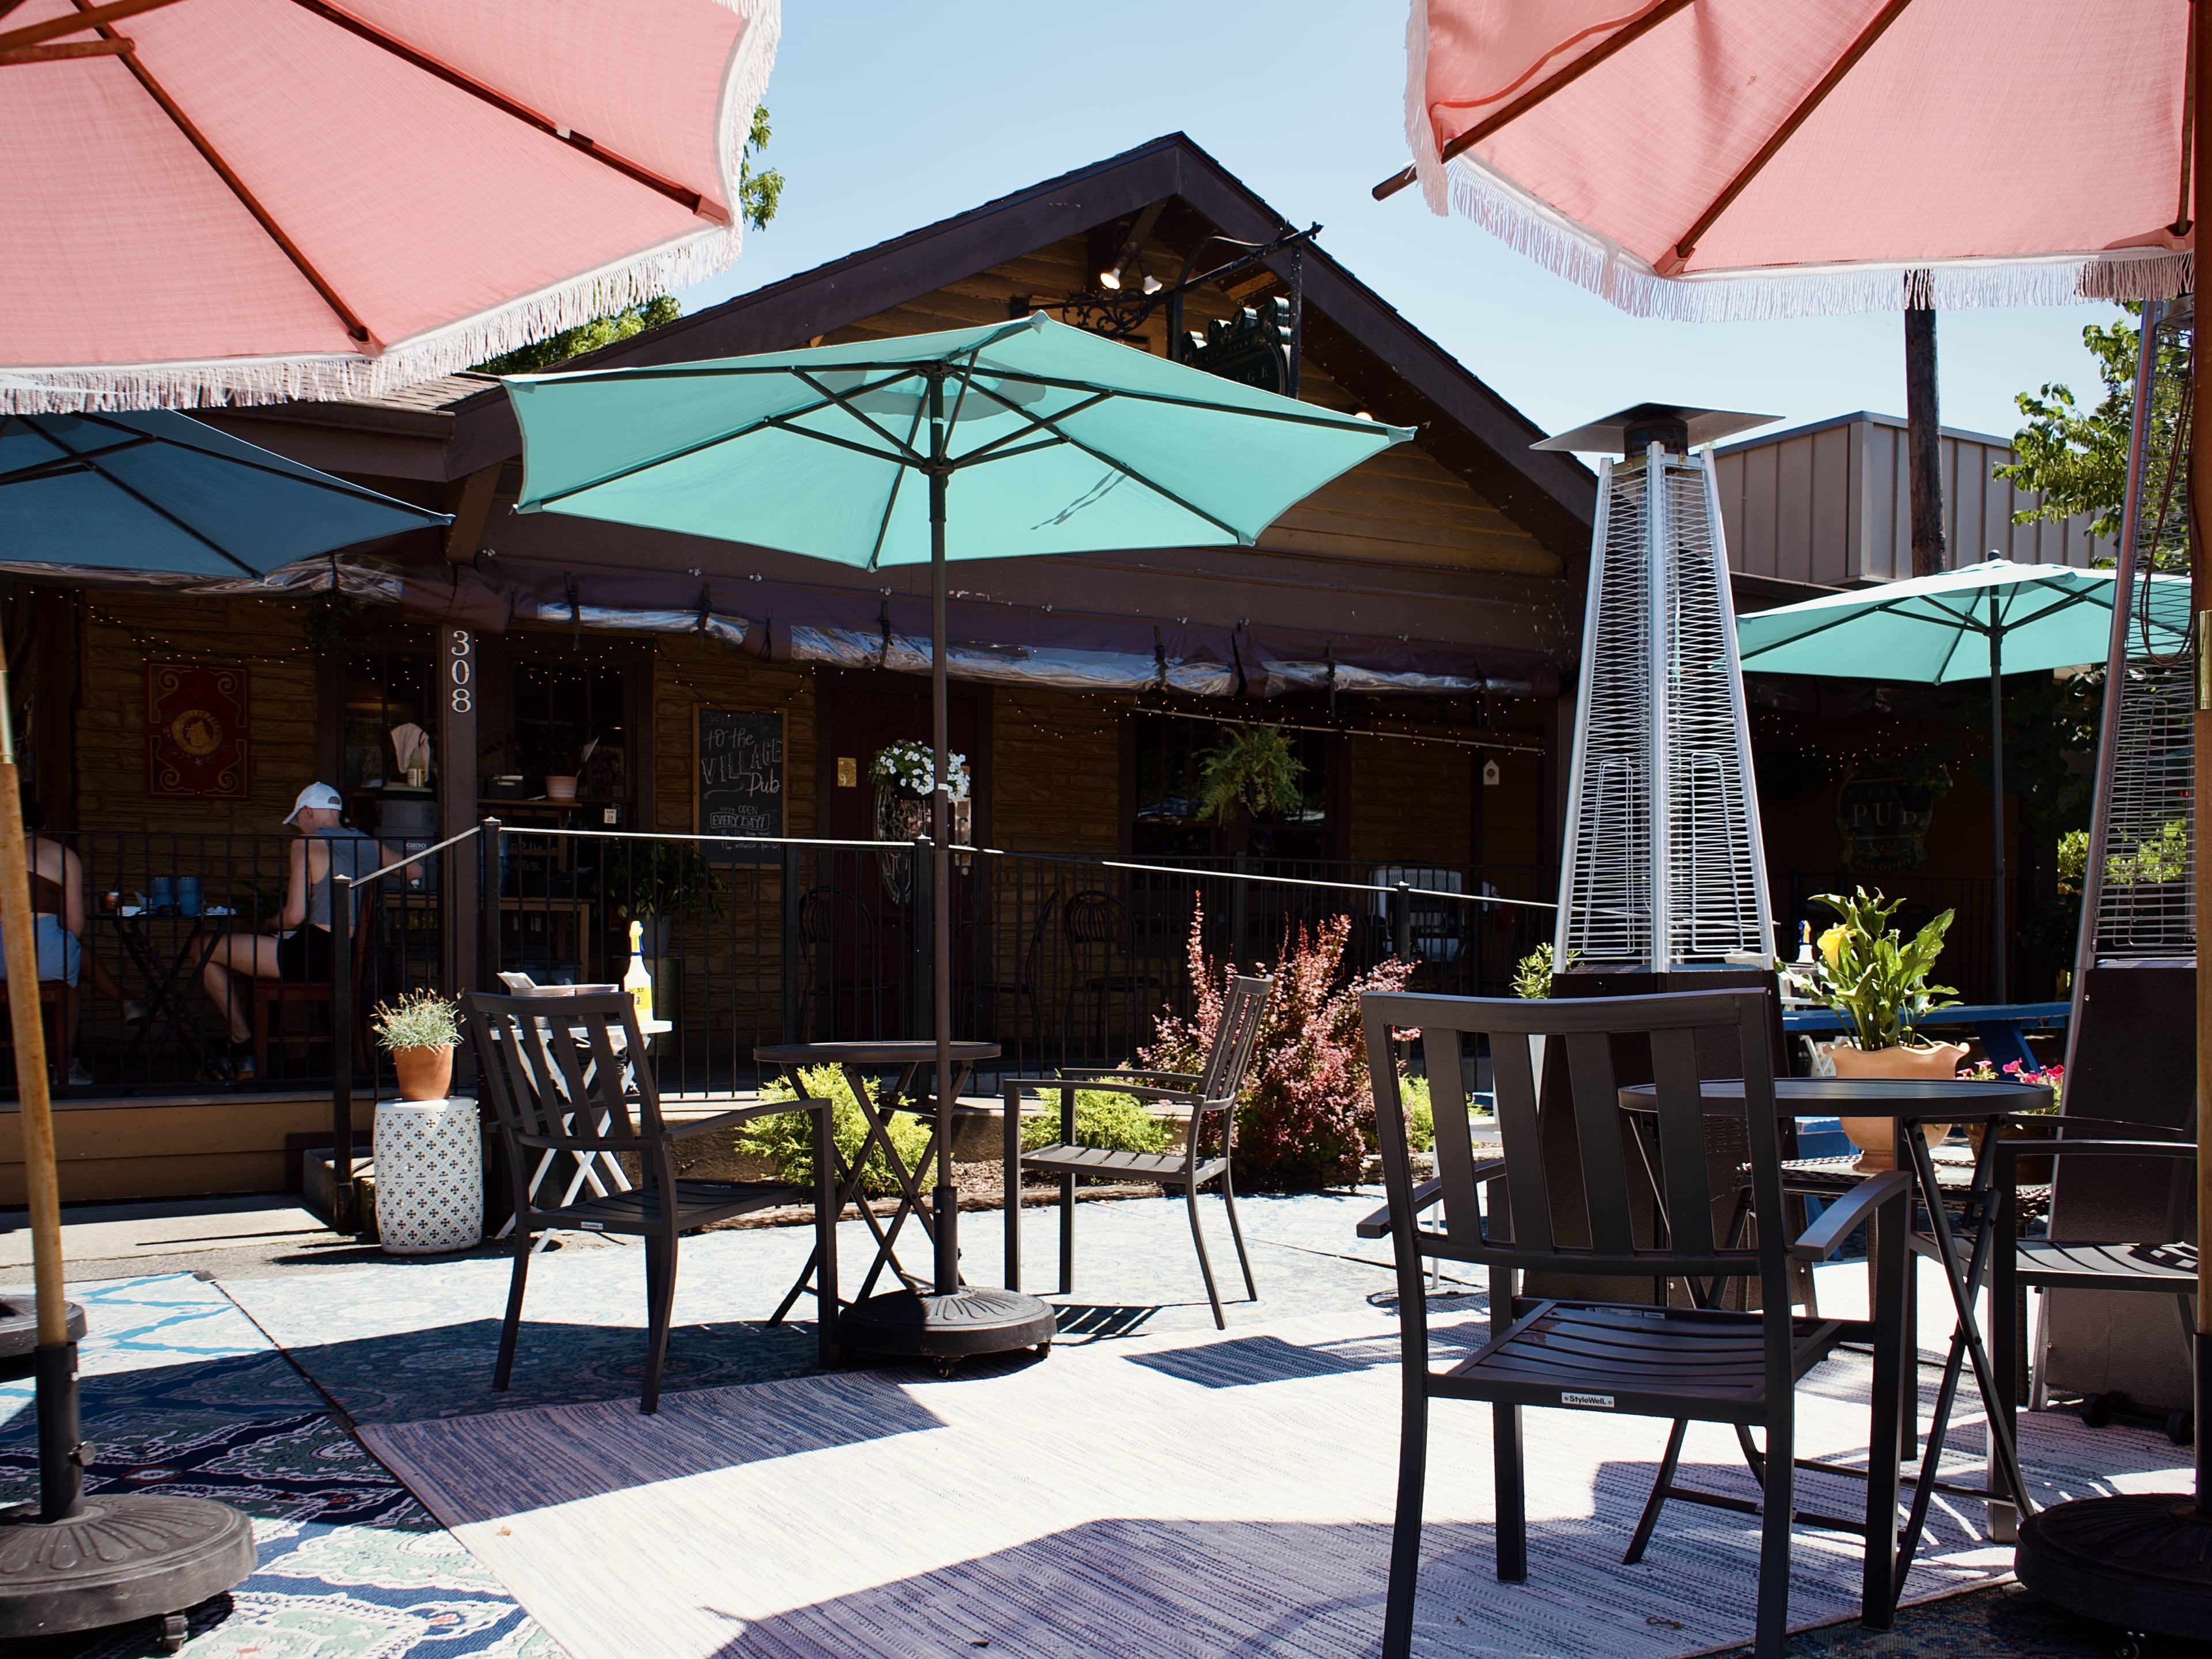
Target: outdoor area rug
{"x": 181, "y": 1393}
{"x": 1181, "y": 1494}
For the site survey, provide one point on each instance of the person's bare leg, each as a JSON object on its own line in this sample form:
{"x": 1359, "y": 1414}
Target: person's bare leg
{"x": 241, "y": 957}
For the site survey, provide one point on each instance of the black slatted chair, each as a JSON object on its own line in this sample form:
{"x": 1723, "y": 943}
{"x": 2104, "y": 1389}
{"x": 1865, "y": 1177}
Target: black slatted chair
{"x": 1102, "y": 946}
{"x": 1689, "y": 1361}
{"x": 1211, "y": 1094}
{"x": 2163, "y": 1267}
{"x": 569, "y": 1075}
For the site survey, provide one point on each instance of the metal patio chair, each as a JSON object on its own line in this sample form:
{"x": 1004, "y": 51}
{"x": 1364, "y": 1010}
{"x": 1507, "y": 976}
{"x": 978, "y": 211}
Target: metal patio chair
{"x": 837, "y": 930}
{"x": 570, "y": 1075}
{"x": 1101, "y": 944}
{"x": 1211, "y": 1094}
{"x": 1685, "y": 1363}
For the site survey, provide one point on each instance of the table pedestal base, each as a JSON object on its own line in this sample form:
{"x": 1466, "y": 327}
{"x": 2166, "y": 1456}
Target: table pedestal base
{"x": 965, "y": 1325}
{"x": 119, "y": 1558}
{"x": 2142, "y": 1562}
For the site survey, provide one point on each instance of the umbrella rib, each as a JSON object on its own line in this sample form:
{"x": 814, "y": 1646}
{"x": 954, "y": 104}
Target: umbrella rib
{"x": 353, "y": 326}
{"x": 1050, "y": 424}
{"x": 1782, "y": 135}
{"x": 1296, "y": 414}
{"x": 92, "y": 462}
{"x": 329, "y": 482}
{"x": 1536, "y": 95}
{"x": 705, "y": 444}
{"x": 85, "y": 17}
{"x": 684, "y": 198}
{"x": 996, "y": 449}
{"x": 842, "y": 400}
{"x": 890, "y": 500}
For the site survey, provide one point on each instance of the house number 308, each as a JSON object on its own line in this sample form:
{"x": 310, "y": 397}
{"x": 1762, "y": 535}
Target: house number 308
{"x": 461, "y": 672}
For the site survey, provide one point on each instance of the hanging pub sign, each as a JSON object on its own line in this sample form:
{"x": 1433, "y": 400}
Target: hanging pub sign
{"x": 1884, "y": 821}
{"x": 197, "y": 738}
{"x": 1253, "y": 347}
{"x": 738, "y": 780}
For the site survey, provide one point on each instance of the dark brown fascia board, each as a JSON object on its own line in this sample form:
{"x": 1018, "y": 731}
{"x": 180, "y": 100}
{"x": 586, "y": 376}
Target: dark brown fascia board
{"x": 1553, "y": 495}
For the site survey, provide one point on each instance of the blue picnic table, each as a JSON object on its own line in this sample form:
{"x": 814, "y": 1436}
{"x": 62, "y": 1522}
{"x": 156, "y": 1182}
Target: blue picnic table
{"x": 1999, "y": 1025}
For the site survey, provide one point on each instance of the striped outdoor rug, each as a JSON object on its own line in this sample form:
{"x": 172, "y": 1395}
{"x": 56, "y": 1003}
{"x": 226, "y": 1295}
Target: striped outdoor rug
{"x": 1177, "y": 1495}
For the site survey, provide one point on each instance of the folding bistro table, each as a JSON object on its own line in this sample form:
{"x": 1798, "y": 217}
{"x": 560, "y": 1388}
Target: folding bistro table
{"x": 906, "y": 1061}
{"x": 1911, "y": 1102}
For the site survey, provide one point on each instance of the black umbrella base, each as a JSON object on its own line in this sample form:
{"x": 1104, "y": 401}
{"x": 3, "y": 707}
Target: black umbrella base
{"x": 131, "y": 1556}
{"x": 2143, "y": 1562}
{"x": 966, "y": 1325}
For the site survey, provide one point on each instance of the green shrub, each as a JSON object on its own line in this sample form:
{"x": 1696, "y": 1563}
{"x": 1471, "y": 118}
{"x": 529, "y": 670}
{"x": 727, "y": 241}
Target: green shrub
{"x": 1420, "y": 1115}
{"x": 1119, "y": 1123}
{"x": 787, "y": 1140}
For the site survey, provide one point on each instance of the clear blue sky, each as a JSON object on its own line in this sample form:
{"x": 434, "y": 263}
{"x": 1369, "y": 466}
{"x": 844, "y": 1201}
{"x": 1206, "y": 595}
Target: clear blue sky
{"x": 889, "y": 115}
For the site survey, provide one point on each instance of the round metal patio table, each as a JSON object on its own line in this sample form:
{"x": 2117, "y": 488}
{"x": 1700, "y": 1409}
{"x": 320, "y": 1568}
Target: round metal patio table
{"x": 906, "y": 1058}
{"x": 1912, "y": 1102}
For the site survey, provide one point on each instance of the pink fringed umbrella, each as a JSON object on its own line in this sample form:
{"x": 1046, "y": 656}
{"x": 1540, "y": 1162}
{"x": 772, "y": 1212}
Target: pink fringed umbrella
{"x": 1715, "y": 159}
{"x": 210, "y": 201}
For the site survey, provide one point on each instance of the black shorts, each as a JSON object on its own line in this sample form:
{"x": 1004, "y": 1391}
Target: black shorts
{"x": 303, "y": 955}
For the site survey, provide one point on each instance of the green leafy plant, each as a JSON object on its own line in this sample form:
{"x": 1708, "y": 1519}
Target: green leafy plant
{"x": 1871, "y": 974}
{"x": 420, "y": 1019}
{"x": 1534, "y": 973}
{"x": 2164, "y": 857}
{"x": 1117, "y": 1122}
{"x": 787, "y": 1140}
{"x": 2073, "y": 860}
{"x": 1255, "y": 771}
{"x": 661, "y": 879}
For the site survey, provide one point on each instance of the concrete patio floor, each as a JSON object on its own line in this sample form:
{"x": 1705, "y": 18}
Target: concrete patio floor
{"x": 234, "y": 1349}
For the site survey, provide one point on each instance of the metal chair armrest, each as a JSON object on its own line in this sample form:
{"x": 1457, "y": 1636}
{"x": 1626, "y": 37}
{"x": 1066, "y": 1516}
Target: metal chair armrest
{"x": 1377, "y": 1223}
{"x": 1840, "y": 1219}
{"x": 2010, "y": 1150}
{"x": 741, "y": 1115}
{"x": 581, "y": 1143}
{"x": 1109, "y": 1074}
{"x": 1185, "y": 1096}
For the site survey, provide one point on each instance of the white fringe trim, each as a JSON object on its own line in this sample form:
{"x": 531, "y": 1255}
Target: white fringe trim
{"x": 1589, "y": 260}
{"x": 342, "y": 377}
{"x": 1421, "y": 132}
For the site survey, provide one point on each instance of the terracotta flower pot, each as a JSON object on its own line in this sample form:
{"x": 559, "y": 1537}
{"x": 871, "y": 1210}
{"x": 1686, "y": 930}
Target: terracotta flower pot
{"x": 424, "y": 1074}
{"x": 1877, "y": 1137}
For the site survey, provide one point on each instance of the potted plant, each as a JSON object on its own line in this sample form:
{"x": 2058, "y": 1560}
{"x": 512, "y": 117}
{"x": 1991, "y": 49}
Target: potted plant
{"x": 419, "y": 1032}
{"x": 905, "y": 776}
{"x": 1877, "y": 981}
{"x": 1251, "y": 774}
{"x": 656, "y": 882}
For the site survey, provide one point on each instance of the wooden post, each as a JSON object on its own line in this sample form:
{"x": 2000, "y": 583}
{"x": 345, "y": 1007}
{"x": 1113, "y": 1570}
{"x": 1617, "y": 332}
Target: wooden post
{"x": 457, "y": 803}
{"x": 2200, "y": 601}
{"x": 1923, "y": 439}
{"x": 60, "y": 1475}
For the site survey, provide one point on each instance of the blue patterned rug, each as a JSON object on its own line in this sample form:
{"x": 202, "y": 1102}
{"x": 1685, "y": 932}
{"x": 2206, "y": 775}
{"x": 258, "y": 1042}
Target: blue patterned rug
{"x": 181, "y": 1393}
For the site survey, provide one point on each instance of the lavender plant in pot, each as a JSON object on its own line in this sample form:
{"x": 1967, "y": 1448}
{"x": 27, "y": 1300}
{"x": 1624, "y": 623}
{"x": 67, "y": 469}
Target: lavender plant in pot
{"x": 419, "y": 1032}
{"x": 1877, "y": 980}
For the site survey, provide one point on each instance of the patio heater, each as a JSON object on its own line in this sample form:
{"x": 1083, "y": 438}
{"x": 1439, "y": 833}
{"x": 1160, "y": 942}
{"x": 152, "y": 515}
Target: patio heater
{"x": 1661, "y": 868}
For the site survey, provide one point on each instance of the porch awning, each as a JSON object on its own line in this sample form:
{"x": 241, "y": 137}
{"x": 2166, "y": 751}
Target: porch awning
{"x": 988, "y": 642}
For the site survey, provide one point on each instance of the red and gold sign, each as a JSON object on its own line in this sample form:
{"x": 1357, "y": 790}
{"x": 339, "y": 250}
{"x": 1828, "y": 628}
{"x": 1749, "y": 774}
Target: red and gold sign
{"x": 196, "y": 730}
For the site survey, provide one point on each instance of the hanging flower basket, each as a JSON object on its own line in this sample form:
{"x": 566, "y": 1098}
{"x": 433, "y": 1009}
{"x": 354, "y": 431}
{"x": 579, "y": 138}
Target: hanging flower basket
{"x": 905, "y": 774}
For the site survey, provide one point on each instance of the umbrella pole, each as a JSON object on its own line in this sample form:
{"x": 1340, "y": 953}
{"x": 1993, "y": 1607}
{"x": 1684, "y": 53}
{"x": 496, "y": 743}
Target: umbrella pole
{"x": 115, "y": 1558}
{"x": 61, "y": 1473}
{"x": 947, "y": 1197}
{"x": 1997, "y": 785}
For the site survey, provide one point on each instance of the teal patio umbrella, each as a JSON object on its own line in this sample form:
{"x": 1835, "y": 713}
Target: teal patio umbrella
{"x": 153, "y": 493}
{"x": 1983, "y": 620}
{"x": 1012, "y": 441}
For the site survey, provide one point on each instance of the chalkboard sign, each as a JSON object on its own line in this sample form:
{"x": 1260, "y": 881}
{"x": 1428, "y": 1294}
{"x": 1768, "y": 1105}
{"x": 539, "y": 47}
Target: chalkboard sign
{"x": 738, "y": 778}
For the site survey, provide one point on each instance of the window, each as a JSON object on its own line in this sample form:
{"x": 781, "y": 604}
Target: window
{"x": 1170, "y": 757}
{"x": 569, "y": 722}
{"x": 379, "y": 690}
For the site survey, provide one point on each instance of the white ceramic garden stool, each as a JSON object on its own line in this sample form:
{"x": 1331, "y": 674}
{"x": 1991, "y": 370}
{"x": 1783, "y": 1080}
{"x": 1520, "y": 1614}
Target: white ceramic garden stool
{"x": 429, "y": 1176}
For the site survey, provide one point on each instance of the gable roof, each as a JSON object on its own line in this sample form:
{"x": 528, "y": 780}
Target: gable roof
{"x": 1359, "y": 338}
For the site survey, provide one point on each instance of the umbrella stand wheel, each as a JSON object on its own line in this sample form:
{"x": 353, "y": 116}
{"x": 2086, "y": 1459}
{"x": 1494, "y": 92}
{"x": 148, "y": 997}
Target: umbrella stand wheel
{"x": 2143, "y": 1562}
{"x": 120, "y": 1557}
{"x": 969, "y": 1323}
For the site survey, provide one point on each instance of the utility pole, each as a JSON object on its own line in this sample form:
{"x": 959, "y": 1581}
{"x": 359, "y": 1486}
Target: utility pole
{"x": 1923, "y": 436}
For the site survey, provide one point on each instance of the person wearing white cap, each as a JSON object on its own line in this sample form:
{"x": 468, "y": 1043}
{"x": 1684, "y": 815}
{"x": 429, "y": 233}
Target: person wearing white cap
{"x": 299, "y": 949}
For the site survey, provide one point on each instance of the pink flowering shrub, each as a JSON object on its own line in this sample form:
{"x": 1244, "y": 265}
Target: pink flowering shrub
{"x": 1307, "y": 1112}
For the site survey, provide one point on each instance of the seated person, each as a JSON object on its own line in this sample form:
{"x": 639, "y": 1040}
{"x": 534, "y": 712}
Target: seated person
{"x": 56, "y": 919}
{"x": 300, "y": 951}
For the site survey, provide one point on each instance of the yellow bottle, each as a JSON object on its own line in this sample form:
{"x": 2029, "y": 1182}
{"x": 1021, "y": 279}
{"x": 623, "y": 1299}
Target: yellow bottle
{"x": 637, "y": 982}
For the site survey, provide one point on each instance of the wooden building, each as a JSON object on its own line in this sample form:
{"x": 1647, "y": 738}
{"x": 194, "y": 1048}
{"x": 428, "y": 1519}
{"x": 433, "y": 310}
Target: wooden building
{"x": 1410, "y": 626}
